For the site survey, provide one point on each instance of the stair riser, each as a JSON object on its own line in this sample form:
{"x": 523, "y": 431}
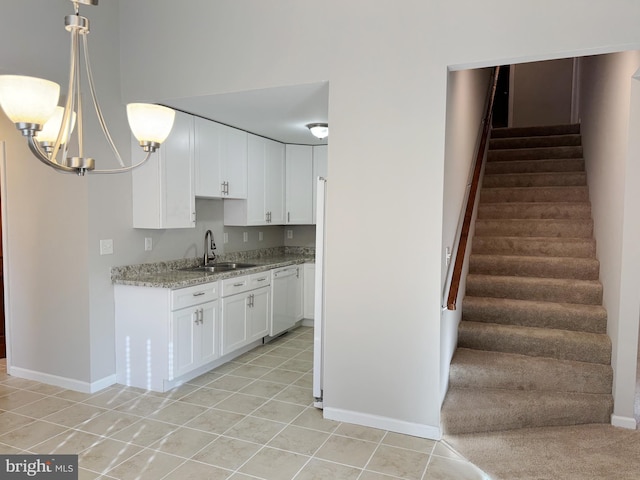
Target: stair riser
{"x": 534, "y": 153}
{"x": 582, "y": 318}
{"x": 482, "y": 370}
{"x": 568, "y": 347}
{"x": 539, "y": 290}
{"x": 557, "y": 247}
{"x": 535, "y": 142}
{"x": 511, "y": 132}
{"x": 534, "y": 194}
{"x": 534, "y": 210}
{"x": 578, "y": 269}
{"x": 535, "y": 166}
{"x": 525, "y": 412}
{"x": 572, "y": 179}
{"x": 535, "y": 228}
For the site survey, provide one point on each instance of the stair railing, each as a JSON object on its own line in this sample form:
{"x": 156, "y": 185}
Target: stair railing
{"x": 471, "y": 199}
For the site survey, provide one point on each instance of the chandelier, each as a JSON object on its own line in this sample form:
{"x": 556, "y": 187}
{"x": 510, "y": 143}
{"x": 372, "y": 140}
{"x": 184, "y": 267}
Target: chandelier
{"x": 31, "y": 104}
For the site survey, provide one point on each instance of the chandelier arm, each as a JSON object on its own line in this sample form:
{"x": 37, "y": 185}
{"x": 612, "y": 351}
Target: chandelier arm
{"x": 124, "y": 169}
{"x": 96, "y": 105}
{"x": 69, "y": 105}
{"x": 37, "y": 151}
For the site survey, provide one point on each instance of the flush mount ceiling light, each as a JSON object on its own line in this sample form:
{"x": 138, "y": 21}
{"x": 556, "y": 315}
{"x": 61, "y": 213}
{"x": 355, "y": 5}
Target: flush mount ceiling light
{"x": 319, "y": 130}
{"x": 31, "y": 104}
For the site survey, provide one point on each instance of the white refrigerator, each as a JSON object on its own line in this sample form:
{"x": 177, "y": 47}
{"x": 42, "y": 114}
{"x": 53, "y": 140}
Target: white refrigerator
{"x": 318, "y": 314}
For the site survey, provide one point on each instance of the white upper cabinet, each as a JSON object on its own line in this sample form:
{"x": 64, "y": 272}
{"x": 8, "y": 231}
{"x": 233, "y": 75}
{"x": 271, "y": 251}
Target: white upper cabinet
{"x": 163, "y": 188}
{"x": 265, "y": 186}
{"x": 220, "y": 160}
{"x": 299, "y": 184}
{"x": 320, "y": 169}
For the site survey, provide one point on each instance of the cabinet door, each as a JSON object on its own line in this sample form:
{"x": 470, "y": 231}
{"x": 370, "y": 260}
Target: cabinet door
{"x": 234, "y": 322}
{"x": 274, "y": 182}
{"x": 299, "y": 294}
{"x": 256, "y": 209}
{"x": 259, "y": 313}
{"x": 208, "y": 144}
{"x": 209, "y": 348}
{"x": 299, "y": 188}
{"x": 182, "y": 347}
{"x": 233, "y": 165}
{"x": 320, "y": 169}
{"x": 163, "y": 188}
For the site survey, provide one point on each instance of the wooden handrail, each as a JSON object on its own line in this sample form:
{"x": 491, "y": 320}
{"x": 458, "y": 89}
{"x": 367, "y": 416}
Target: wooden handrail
{"x": 454, "y": 286}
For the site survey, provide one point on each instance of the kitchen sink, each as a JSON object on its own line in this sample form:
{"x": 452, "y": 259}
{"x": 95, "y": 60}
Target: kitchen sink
{"x": 219, "y": 267}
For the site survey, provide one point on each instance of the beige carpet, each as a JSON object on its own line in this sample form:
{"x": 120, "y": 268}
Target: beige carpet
{"x": 580, "y": 452}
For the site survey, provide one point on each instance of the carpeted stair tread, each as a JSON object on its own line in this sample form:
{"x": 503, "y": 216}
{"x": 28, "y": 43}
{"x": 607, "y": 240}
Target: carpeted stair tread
{"x": 535, "y": 246}
{"x": 555, "y": 315}
{"x": 537, "y": 179}
{"x": 536, "y": 342}
{"x": 565, "y": 129}
{"x": 540, "y": 210}
{"x": 535, "y": 141}
{"x": 534, "y": 153}
{"x": 533, "y": 166}
{"x": 534, "y": 194}
{"x": 573, "y": 228}
{"x": 486, "y": 369}
{"x": 587, "y": 292}
{"x": 532, "y": 266}
{"x": 467, "y": 411}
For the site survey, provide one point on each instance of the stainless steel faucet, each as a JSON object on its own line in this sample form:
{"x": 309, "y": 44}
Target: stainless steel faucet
{"x": 208, "y": 258}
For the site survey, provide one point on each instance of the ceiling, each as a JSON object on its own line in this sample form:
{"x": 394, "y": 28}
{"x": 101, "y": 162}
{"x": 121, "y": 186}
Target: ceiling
{"x": 280, "y": 113}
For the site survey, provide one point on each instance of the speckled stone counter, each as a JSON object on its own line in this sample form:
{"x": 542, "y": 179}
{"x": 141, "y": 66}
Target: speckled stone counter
{"x": 169, "y": 274}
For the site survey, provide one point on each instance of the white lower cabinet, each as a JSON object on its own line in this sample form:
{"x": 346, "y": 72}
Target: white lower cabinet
{"x": 163, "y": 336}
{"x": 246, "y": 304}
{"x": 194, "y": 337}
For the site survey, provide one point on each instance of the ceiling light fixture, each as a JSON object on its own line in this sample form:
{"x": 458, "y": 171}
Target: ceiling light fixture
{"x": 30, "y": 103}
{"x": 319, "y": 130}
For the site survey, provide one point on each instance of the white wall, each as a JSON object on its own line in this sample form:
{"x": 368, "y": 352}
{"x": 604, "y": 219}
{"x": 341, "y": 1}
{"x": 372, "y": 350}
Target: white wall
{"x": 466, "y": 102}
{"x": 542, "y": 93}
{"x": 613, "y": 176}
{"x": 386, "y": 62}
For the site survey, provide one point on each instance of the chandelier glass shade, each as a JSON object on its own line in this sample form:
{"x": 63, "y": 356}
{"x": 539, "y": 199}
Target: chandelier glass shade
{"x": 32, "y": 105}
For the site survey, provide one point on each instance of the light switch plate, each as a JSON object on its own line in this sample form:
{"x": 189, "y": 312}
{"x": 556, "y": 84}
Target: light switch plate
{"x": 260, "y": 236}
{"x": 148, "y": 244}
{"x": 289, "y": 233}
{"x": 106, "y": 247}
{"x": 245, "y": 236}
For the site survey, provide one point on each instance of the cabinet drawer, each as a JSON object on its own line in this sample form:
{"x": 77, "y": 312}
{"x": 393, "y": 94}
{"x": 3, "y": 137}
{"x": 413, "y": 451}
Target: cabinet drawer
{"x": 185, "y": 297}
{"x": 262, "y": 279}
{"x": 231, "y": 286}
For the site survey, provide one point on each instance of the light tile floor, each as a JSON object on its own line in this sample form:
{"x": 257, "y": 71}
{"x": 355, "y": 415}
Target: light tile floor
{"x": 252, "y": 418}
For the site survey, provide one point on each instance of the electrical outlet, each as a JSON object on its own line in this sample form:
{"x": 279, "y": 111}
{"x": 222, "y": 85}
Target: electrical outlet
{"x": 260, "y": 236}
{"x": 106, "y": 247}
{"x": 447, "y": 256}
{"x": 148, "y": 244}
{"x": 289, "y": 234}
{"x": 245, "y": 236}
{"x": 225, "y": 237}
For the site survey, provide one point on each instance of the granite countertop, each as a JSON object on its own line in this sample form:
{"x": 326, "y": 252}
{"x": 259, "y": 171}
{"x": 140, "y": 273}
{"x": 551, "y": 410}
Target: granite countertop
{"x": 168, "y": 274}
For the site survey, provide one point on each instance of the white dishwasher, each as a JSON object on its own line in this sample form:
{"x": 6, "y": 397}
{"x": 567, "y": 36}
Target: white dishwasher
{"x": 284, "y": 298}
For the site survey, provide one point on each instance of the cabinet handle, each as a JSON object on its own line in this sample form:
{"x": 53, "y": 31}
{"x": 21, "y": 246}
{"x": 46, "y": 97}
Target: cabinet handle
{"x": 261, "y": 279}
{"x": 226, "y": 188}
{"x": 238, "y": 284}
{"x": 201, "y": 316}
{"x": 197, "y": 294}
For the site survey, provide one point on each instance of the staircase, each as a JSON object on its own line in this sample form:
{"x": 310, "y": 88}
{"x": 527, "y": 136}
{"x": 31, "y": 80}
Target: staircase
{"x": 532, "y": 346}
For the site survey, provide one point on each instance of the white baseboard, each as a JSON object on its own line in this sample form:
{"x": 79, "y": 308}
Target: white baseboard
{"x": 383, "y": 423}
{"x": 307, "y": 322}
{"x": 623, "y": 422}
{"x": 62, "y": 382}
